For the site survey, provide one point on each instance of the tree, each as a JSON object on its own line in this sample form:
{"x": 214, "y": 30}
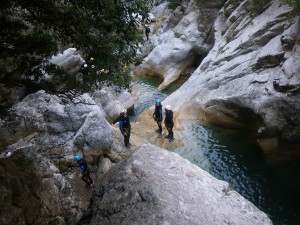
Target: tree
{"x": 295, "y": 4}
{"x": 32, "y": 31}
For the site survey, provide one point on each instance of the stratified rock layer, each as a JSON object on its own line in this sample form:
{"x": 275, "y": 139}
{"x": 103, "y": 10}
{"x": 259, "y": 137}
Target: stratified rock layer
{"x": 249, "y": 75}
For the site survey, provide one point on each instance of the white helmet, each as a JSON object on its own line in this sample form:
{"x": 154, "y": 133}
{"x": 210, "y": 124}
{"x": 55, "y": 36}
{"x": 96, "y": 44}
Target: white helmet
{"x": 124, "y": 111}
{"x": 168, "y": 107}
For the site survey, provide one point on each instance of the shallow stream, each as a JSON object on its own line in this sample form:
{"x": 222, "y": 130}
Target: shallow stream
{"x": 271, "y": 183}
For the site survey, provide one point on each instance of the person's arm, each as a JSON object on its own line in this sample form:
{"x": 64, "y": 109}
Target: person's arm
{"x": 121, "y": 126}
{"x": 160, "y": 114}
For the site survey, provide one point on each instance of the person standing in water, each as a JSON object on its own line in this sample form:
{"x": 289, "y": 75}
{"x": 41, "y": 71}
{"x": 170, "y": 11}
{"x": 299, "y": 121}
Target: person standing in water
{"x": 169, "y": 123}
{"x": 158, "y": 115}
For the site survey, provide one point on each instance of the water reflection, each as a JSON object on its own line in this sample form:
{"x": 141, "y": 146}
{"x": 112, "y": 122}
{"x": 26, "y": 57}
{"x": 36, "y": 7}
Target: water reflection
{"x": 147, "y": 94}
{"x": 232, "y": 156}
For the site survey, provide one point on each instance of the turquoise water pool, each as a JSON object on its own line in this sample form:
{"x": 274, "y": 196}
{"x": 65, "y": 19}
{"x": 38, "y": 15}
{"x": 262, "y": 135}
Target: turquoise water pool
{"x": 233, "y": 156}
{"x": 271, "y": 183}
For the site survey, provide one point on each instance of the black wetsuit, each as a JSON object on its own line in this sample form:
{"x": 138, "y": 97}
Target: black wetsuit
{"x": 125, "y": 126}
{"x": 158, "y": 116}
{"x": 85, "y": 171}
{"x": 169, "y": 123}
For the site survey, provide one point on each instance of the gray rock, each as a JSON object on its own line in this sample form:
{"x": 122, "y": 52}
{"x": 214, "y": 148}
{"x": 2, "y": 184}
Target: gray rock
{"x": 181, "y": 41}
{"x": 154, "y": 186}
{"x": 30, "y": 190}
{"x": 250, "y": 78}
{"x": 58, "y": 128}
{"x": 95, "y": 131}
{"x": 113, "y": 100}
{"x": 69, "y": 59}
{"x": 104, "y": 165}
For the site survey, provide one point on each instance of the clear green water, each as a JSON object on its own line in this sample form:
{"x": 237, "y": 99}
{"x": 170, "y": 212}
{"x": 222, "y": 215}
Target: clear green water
{"x": 147, "y": 99}
{"x": 233, "y": 156}
{"x": 272, "y": 184}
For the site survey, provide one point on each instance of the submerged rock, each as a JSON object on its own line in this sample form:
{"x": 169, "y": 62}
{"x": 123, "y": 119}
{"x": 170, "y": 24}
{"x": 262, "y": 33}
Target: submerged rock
{"x": 154, "y": 186}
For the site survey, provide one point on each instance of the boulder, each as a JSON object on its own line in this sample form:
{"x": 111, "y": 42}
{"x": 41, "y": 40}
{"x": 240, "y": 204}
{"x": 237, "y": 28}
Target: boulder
{"x": 113, "y": 100}
{"x": 155, "y": 186}
{"x": 59, "y": 128}
{"x": 70, "y": 60}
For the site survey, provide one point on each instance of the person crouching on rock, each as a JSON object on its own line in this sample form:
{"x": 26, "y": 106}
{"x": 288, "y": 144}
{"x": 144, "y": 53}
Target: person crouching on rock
{"x": 125, "y": 127}
{"x": 157, "y": 115}
{"x": 169, "y": 122}
{"x": 85, "y": 170}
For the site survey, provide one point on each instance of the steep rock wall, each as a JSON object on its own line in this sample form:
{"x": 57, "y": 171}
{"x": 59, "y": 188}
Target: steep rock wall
{"x": 181, "y": 41}
{"x": 250, "y": 78}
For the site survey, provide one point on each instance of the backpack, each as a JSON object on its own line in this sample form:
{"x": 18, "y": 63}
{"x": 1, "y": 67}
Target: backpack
{"x": 147, "y": 30}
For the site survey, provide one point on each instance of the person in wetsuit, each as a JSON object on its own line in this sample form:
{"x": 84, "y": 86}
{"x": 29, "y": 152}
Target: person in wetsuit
{"x": 147, "y": 31}
{"x": 169, "y": 122}
{"x": 85, "y": 170}
{"x": 125, "y": 127}
{"x": 158, "y": 115}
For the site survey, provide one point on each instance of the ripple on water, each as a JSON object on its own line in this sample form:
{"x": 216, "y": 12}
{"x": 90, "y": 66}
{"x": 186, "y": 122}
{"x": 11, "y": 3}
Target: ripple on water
{"x": 146, "y": 98}
{"x": 231, "y": 156}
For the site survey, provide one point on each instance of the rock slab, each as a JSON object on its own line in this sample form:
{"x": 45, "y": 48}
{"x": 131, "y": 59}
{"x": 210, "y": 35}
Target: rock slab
{"x": 154, "y": 186}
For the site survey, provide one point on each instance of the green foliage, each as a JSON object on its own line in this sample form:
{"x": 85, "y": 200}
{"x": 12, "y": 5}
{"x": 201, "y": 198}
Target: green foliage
{"x": 173, "y": 4}
{"x": 32, "y": 31}
{"x": 258, "y": 6}
{"x": 295, "y": 4}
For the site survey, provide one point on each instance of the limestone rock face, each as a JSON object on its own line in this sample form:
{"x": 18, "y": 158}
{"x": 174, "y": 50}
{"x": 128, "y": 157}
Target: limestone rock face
{"x": 59, "y": 128}
{"x": 250, "y": 78}
{"x": 39, "y": 183}
{"x": 181, "y": 41}
{"x": 154, "y": 186}
{"x": 30, "y": 191}
{"x": 113, "y": 100}
{"x": 69, "y": 59}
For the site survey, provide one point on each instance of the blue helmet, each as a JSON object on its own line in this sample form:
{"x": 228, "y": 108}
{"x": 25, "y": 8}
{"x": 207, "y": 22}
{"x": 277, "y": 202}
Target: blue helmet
{"x": 77, "y": 157}
{"x": 158, "y": 100}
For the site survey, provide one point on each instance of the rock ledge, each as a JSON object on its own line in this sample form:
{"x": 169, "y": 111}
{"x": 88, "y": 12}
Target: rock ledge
{"x": 154, "y": 186}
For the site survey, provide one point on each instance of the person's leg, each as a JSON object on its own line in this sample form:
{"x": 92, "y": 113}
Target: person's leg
{"x": 171, "y": 133}
{"x": 89, "y": 177}
{"x": 125, "y": 139}
{"x": 128, "y": 139}
{"x": 85, "y": 179}
{"x": 168, "y": 129}
{"x": 159, "y": 126}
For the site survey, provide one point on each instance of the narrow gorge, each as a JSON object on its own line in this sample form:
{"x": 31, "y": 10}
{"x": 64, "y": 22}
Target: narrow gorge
{"x": 236, "y": 116}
